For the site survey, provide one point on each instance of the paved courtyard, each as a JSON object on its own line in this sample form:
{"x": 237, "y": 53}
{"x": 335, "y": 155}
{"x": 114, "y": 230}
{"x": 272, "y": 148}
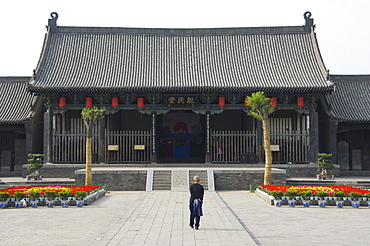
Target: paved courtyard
{"x": 161, "y": 218}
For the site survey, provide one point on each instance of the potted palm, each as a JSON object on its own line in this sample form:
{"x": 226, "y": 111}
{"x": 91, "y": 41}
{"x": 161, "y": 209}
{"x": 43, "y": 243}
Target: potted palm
{"x": 355, "y": 199}
{"x": 64, "y": 197}
{"x": 278, "y": 195}
{"x": 291, "y": 194}
{"x": 50, "y": 196}
{"x": 306, "y": 196}
{"x": 34, "y": 196}
{"x": 19, "y": 196}
{"x": 321, "y": 195}
{"x": 80, "y": 195}
{"x": 4, "y": 196}
{"x": 339, "y": 198}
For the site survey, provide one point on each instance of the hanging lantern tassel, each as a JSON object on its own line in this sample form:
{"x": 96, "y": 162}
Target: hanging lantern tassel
{"x": 274, "y": 101}
{"x": 221, "y": 101}
{"x": 140, "y": 102}
{"x": 246, "y": 102}
{"x": 62, "y": 102}
{"x": 88, "y": 102}
{"x": 114, "y": 102}
{"x": 300, "y": 102}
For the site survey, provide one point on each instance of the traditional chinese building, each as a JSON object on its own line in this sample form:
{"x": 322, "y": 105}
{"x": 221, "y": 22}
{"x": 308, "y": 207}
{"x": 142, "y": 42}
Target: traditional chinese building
{"x": 21, "y": 129}
{"x": 345, "y": 123}
{"x": 178, "y": 95}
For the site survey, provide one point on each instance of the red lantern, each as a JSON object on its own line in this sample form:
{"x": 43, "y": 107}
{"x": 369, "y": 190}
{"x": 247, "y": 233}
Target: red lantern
{"x": 221, "y": 101}
{"x": 300, "y": 102}
{"x": 62, "y": 102}
{"x": 246, "y": 102}
{"x": 114, "y": 102}
{"x": 88, "y": 102}
{"x": 140, "y": 102}
{"x": 274, "y": 101}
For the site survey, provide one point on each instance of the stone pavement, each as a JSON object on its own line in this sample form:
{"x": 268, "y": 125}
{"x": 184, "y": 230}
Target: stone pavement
{"x": 161, "y": 218}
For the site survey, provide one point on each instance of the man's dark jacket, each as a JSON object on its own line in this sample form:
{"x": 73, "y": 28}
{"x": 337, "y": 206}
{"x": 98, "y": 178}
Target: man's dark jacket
{"x": 196, "y": 191}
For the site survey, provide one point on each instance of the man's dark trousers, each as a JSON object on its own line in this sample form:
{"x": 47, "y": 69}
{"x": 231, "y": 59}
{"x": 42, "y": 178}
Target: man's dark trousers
{"x": 192, "y": 217}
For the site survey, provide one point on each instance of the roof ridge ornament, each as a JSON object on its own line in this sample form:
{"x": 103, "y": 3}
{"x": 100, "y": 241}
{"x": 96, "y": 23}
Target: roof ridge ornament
{"x": 309, "y": 21}
{"x": 52, "y": 23}
{"x": 307, "y": 15}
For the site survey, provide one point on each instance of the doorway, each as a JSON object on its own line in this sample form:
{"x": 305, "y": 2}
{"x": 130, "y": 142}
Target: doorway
{"x": 181, "y": 137}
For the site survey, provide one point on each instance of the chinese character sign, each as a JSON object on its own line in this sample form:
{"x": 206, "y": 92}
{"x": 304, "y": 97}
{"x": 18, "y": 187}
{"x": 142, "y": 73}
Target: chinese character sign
{"x": 181, "y": 100}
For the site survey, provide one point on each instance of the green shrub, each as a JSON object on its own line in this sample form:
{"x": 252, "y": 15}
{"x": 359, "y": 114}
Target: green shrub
{"x": 35, "y": 161}
{"x": 339, "y": 194}
{"x": 324, "y": 162}
{"x": 305, "y": 194}
{"x": 19, "y": 195}
{"x": 34, "y": 195}
{"x": 64, "y": 195}
{"x": 321, "y": 194}
{"x": 50, "y": 195}
{"x": 4, "y": 196}
{"x": 80, "y": 195}
{"x": 291, "y": 194}
{"x": 355, "y": 195}
{"x": 367, "y": 195}
{"x": 277, "y": 194}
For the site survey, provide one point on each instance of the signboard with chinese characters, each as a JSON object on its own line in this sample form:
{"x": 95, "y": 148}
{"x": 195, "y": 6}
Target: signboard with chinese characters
{"x": 275, "y": 147}
{"x": 181, "y": 100}
{"x": 113, "y": 147}
{"x": 139, "y": 147}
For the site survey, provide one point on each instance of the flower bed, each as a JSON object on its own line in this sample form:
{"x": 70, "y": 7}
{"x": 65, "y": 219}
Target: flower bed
{"x": 330, "y": 189}
{"x": 56, "y": 188}
{"x": 90, "y": 194}
{"x": 330, "y": 193}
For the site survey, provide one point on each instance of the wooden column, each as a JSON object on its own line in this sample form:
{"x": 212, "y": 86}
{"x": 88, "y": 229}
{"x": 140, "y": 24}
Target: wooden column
{"x": 208, "y": 139}
{"x": 333, "y": 140}
{"x": 314, "y": 136}
{"x": 28, "y": 129}
{"x": 154, "y": 141}
{"x": 48, "y": 135}
{"x": 102, "y": 143}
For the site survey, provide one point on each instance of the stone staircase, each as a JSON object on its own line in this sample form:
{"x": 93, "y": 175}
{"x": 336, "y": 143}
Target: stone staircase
{"x": 162, "y": 180}
{"x": 202, "y": 174}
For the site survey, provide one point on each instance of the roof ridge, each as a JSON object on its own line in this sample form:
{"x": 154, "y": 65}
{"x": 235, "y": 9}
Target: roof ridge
{"x": 350, "y": 78}
{"x": 14, "y": 79}
{"x": 182, "y": 31}
{"x": 308, "y": 27}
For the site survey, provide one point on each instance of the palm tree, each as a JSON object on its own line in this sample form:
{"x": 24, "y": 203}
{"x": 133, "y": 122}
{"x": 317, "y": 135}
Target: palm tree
{"x": 261, "y": 108}
{"x": 90, "y": 117}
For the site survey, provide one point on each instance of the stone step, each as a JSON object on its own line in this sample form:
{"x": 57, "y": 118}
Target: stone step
{"x": 162, "y": 180}
{"x": 202, "y": 174}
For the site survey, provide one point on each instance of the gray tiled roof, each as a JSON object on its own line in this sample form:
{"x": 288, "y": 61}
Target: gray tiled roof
{"x": 15, "y": 100}
{"x": 181, "y": 60}
{"x": 351, "y": 100}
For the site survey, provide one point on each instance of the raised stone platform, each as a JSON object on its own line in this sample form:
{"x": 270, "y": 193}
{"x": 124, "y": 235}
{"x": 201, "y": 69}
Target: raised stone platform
{"x": 68, "y": 170}
{"x": 16, "y": 181}
{"x": 141, "y": 179}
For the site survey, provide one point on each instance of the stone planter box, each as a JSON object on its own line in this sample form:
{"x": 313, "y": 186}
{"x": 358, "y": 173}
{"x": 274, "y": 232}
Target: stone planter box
{"x": 270, "y": 200}
{"x": 57, "y": 203}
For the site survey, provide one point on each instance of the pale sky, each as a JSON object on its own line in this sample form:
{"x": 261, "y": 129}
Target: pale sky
{"x": 342, "y": 26}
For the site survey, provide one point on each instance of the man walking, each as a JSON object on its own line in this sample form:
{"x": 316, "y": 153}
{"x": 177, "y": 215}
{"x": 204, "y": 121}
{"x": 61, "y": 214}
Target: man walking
{"x": 195, "y": 202}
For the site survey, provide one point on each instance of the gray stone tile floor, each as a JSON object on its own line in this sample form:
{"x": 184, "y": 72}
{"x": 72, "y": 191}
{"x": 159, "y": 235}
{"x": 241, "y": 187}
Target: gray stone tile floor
{"x": 161, "y": 218}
